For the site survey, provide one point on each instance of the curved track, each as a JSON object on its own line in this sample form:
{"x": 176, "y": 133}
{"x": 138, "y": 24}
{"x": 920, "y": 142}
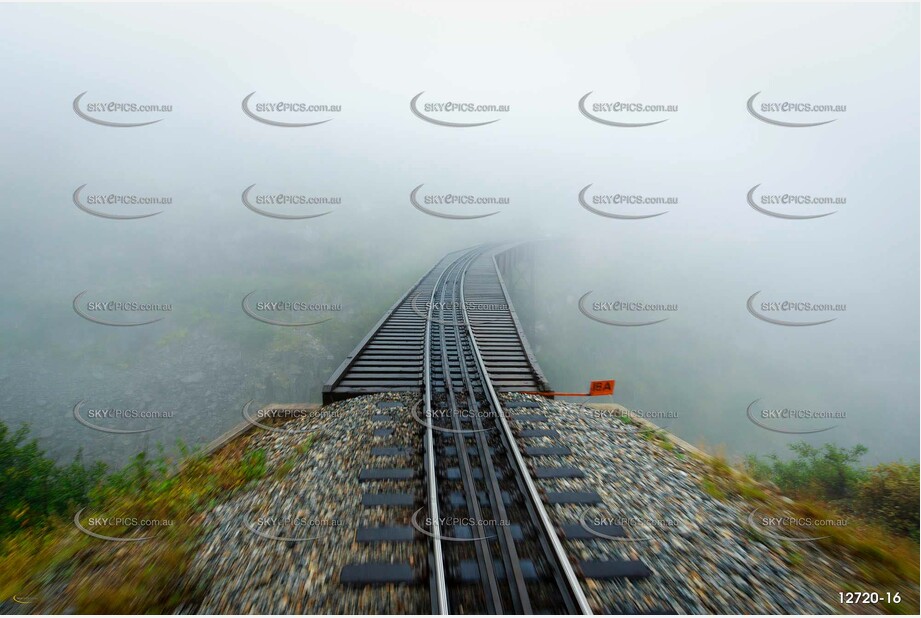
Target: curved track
{"x": 520, "y": 566}
{"x": 491, "y": 546}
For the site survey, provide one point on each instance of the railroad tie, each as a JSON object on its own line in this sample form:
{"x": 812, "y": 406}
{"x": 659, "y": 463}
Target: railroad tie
{"x": 388, "y": 499}
{"x": 546, "y": 451}
{"x": 377, "y": 573}
{"x": 614, "y": 569}
{"x": 530, "y": 418}
{"x": 386, "y": 474}
{"x": 385, "y": 534}
{"x": 573, "y": 497}
{"x": 578, "y": 532}
{"x": 455, "y": 341}
{"x": 538, "y": 433}
{"x": 558, "y": 472}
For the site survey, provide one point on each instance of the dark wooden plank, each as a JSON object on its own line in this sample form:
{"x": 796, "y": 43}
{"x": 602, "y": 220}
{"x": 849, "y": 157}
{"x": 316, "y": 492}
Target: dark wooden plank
{"x": 385, "y": 534}
{"x": 614, "y": 569}
{"x": 576, "y": 532}
{"x": 546, "y": 451}
{"x": 388, "y": 499}
{"x": 371, "y": 573}
{"x": 386, "y": 474}
{"x": 559, "y": 472}
{"x": 573, "y": 497}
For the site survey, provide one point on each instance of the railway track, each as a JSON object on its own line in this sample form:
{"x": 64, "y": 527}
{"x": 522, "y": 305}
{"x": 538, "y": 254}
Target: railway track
{"x": 390, "y": 358}
{"x": 492, "y": 547}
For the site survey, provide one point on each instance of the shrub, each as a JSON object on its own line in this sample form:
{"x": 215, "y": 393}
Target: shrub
{"x": 827, "y": 473}
{"x": 33, "y": 487}
{"x": 889, "y": 495}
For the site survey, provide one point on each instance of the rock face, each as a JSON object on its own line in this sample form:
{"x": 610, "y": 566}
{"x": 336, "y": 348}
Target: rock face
{"x": 703, "y": 554}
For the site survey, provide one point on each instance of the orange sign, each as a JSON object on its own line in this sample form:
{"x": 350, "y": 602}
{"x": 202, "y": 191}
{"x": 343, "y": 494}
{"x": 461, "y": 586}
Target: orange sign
{"x": 601, "y": 387}
{"x": 597, "y": 387}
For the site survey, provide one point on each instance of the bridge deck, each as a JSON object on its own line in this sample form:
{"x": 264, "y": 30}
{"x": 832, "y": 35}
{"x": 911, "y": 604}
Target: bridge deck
{"x": 390, "y": 356}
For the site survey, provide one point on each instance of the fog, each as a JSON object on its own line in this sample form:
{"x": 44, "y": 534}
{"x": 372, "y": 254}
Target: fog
{"x": 707, "y": 254}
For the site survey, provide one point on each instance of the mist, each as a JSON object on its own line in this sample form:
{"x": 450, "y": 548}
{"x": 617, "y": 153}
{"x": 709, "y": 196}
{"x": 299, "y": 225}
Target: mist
{"x": 707, "y": 254}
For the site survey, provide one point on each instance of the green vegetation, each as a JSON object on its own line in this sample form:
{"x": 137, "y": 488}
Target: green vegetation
{"x": 41, "y": 548}
{"x": 886, "y": 494}
{"x": 658, "y": 437}
{"x": 712, "y": 490}
{"x": 34, "y": 488}
{"x": 253, "y": 464}
{"x": 828, "y": 484}
{"x": 288, "y": 465}
{"x": 827, "y": 473}
{"x": 304, "y": 447}
{"x": 889, "y": 494}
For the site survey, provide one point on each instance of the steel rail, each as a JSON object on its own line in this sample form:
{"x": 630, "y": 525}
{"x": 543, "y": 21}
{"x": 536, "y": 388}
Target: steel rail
{"x": 439, "y": 582}
{"x": 484, "y": 556}
{"x": 518, "y": 587}
{"x": 547, "y": 527}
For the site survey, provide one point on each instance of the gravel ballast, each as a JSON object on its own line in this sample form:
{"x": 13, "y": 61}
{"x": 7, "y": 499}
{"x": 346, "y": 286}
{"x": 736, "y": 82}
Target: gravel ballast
{"x": 702, "y": 552}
